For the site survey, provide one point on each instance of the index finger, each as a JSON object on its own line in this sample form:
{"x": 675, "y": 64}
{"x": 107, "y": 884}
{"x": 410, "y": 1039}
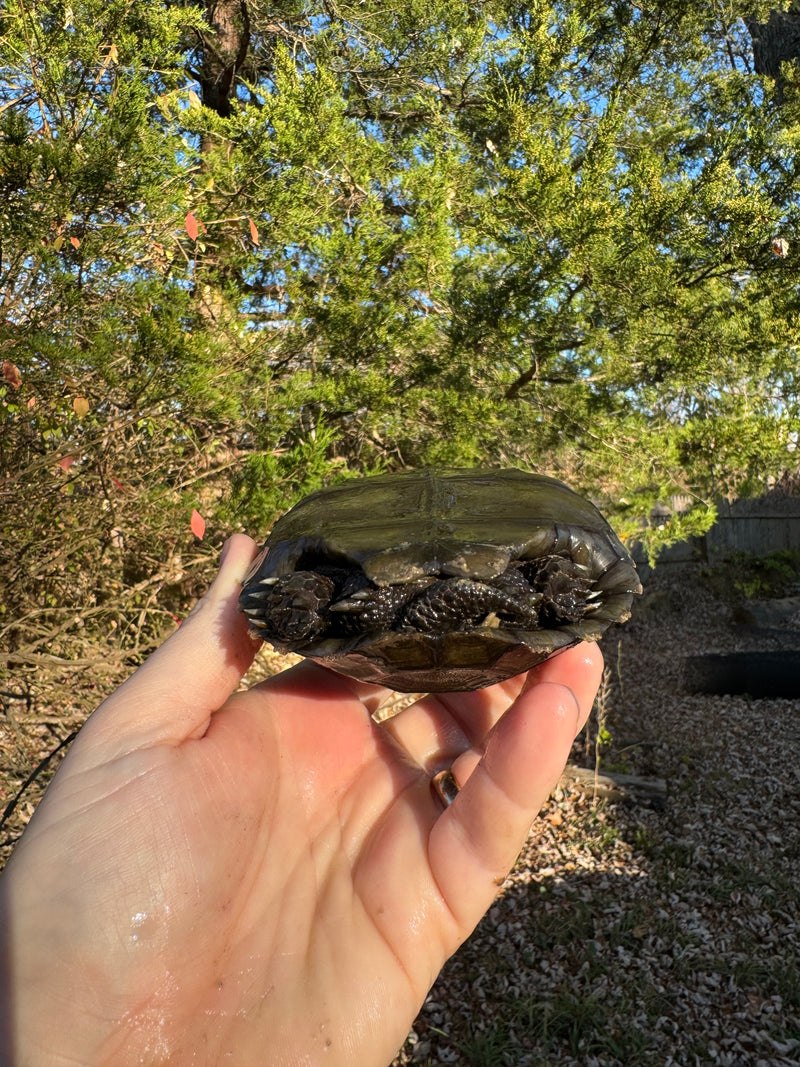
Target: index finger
{"x": 475, "y": 841}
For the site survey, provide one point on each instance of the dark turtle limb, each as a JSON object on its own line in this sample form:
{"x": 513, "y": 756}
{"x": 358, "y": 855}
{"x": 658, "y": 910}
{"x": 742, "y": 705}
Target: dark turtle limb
{"x": 335, "y": 602}
{"x": 289, "y": 608}
{"x": 327, "y": 602}
{"x": 460, "y": 604}
{"x": 565, "y": 590}
{"x": 366, "y": 608}
{"x": 528, "y": 595}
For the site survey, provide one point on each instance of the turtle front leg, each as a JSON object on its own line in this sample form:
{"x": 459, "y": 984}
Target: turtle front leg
{"x": 368, "y": 609}
{"x": 288, "y": 610}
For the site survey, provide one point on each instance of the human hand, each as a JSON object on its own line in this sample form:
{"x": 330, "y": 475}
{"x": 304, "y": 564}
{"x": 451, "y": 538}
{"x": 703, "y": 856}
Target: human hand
{"x": 266, "y": 878}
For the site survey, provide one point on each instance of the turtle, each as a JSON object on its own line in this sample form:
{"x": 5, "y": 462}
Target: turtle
{"x": 438, "y": 580}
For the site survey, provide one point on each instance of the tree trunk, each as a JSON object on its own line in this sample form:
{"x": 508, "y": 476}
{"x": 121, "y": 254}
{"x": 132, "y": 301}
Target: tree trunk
{"x": 775, "y": 41}
{"x": 224, "y": 52}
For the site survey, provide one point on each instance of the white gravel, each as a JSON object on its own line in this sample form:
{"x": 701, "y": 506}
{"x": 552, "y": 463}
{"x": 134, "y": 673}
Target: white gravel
{"x": 628, "y": 934}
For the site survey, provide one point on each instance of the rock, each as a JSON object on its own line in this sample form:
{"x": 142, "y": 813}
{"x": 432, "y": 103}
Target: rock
{"x": 614, "y": 786}
{"x": 777, "y": 614}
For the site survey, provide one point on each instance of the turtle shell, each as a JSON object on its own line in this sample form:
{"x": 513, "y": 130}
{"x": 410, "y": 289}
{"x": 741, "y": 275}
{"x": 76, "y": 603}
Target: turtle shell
{"x": 439, "y": 580}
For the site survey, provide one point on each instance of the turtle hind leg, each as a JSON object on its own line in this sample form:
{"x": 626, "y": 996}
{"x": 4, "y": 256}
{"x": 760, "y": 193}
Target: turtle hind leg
{"x": 565, "y": 588}
{"x": 459, "y": 604}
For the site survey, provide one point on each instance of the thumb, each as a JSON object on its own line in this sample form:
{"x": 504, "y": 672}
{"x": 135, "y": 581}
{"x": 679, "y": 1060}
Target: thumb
{"x": 172, "y": 696}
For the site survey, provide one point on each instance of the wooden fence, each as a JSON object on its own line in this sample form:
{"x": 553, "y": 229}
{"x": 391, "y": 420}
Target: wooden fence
{"x": 758, "y": 527}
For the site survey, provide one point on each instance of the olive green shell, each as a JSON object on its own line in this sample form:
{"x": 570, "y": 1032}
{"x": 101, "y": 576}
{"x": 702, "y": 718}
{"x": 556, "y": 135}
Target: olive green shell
{"x": 467, "y": 523}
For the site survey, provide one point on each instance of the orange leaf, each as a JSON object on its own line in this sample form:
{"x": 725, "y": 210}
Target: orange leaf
{"x": 198, "y": 524}
{"x": 11, "y": 374}
{"x": 118, "y": 484}
{"x": 191, "y": 225}
{"x": 66, "y": 462}
{"x": 75, "y": 242}
{"x": 80, "y": 405}
{"x": 253, "y": 231}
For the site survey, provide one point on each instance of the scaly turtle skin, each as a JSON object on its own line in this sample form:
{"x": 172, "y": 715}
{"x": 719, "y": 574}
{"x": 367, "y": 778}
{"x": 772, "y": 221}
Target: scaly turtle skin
{"x": 440, "y": 580}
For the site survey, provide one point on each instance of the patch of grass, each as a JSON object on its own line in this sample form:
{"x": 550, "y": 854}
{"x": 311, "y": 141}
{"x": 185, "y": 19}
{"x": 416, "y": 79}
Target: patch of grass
{"x": 598, "y": 832}
{"x": 494, "y": 1047}
{"x": 577, "y": 1024}
{"x": 491, "y": 964}
{"x": 730, "y": 877}
{"x": 569, "y": 921}
{"x": 564, "y": 1022}
{"x": 639, "y": 921}
{"x": 754, "y": 577}
{"x": 777, "y": 977}
{"x": 676, "y": 854}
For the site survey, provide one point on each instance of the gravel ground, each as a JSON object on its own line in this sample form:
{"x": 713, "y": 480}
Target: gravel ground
{"x": 627, "y": 933}
{"x": 630, "y": 933}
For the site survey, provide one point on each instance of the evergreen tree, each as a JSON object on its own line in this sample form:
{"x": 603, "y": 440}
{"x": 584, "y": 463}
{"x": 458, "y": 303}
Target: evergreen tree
{"x": 250, "y": 247}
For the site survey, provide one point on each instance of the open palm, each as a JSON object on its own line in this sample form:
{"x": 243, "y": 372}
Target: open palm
{"x": 266, "y": 878}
